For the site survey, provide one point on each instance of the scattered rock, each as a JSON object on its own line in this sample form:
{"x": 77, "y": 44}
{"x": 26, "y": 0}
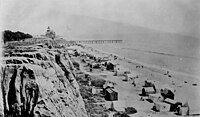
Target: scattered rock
{"x": 194, "y": 84}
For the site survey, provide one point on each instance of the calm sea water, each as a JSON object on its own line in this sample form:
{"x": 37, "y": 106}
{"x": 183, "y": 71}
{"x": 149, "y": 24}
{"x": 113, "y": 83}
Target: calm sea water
{"x": 168, "y": 56}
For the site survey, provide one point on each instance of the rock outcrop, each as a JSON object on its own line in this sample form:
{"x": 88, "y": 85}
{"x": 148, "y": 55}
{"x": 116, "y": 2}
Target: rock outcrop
{"x": 39, "y": 82}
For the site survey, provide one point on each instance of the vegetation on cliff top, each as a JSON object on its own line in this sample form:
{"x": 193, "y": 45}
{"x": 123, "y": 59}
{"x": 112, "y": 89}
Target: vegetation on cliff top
{"x": 14, "y": 36}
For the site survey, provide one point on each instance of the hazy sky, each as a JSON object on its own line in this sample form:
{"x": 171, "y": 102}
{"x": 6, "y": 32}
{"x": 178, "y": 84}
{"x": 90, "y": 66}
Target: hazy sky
{"x": 177, "y": 16}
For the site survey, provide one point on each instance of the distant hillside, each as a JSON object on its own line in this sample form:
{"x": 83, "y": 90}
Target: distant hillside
{"x": 89, "y": 27}
{"x": 82, "y": 27}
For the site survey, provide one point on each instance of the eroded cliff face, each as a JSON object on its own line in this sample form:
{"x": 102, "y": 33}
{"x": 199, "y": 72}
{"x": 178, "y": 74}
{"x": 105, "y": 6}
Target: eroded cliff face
{"x": 38, "y": 80}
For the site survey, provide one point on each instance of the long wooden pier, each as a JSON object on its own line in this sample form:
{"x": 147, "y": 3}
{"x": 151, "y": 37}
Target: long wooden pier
{"x": 97, "y": 41}
{"x": 61, "y": 41}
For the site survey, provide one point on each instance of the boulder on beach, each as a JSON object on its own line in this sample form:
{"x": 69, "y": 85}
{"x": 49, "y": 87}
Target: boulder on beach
{"x": 110, "y": 66}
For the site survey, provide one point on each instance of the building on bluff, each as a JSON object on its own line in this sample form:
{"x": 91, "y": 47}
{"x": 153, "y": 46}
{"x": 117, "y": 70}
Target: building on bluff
{"x": 50, "y": 33}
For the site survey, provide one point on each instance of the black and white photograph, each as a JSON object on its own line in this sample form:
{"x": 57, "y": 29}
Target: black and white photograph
{"x": 100, "y": 58}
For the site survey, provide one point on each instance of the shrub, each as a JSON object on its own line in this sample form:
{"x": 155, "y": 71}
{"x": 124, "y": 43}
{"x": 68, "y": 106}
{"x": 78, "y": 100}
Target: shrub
{"x": 98, "y": 82}
{"x": 85, "y": 92}
{"x": 14, "y": 36}
{"x": 120, "y": 114}
{"x": 130, "y": 110}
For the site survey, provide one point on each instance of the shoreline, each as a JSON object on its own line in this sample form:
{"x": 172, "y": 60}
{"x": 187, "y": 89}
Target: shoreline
{"x": 153, "y": 68}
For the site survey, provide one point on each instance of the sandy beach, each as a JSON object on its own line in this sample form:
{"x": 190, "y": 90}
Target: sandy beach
{"x": 186, "y": 88}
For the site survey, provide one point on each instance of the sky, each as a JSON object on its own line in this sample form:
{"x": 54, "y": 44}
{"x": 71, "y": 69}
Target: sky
{"x": 33, "y": 16}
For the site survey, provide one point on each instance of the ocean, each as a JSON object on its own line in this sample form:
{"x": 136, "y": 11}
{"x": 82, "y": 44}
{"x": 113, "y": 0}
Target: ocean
{"x": 163, "y": 55}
